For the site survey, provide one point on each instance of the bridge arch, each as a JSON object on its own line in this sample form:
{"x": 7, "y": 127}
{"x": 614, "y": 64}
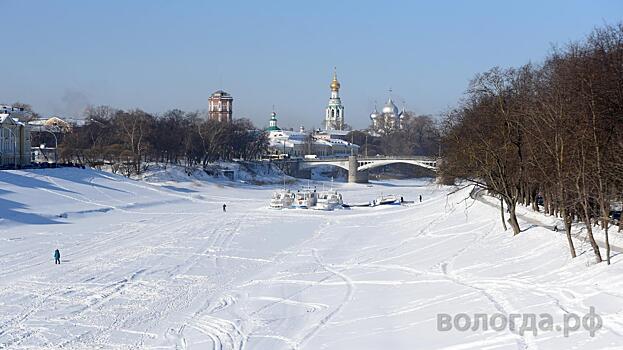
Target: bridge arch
{"x": 357, "y": 168}
{"x": 366, "y": 165}
{"x": 310, "y": 164}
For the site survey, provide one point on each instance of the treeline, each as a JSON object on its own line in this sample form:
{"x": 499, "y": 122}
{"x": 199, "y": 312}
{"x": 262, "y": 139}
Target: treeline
{"x": 128, "y": 139}
{"x": 549, "y": 134}
{"x": 418, "y": 137}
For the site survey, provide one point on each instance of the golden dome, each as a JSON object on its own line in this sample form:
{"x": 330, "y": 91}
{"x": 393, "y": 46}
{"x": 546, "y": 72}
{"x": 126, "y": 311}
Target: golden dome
{"x": 335, "y": 85}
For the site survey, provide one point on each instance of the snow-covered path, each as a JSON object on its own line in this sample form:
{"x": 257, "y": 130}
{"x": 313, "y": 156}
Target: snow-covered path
{"x": 162, "y": 266}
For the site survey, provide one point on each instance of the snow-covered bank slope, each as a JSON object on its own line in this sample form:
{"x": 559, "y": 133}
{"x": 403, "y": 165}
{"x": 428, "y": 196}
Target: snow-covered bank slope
{"x": 254, "y": 173}
{"x": 147, "y": 266}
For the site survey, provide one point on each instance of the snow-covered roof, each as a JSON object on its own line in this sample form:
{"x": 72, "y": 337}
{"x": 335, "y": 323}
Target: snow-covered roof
{"x": 222, "y": 94}
{"x": 335, "y": 132}
{"x": 6, "y": 118}
{"x": 288, "y": 143}
{"x": 336, "y": 142}
{"x": 295, "y": 142}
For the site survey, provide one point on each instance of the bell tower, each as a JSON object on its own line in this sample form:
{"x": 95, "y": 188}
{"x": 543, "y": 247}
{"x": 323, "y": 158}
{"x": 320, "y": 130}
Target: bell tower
{"x": 334, "y": 114}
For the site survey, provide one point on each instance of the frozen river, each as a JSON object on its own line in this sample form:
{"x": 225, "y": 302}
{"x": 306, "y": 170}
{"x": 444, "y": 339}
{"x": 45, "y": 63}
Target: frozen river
{"x": 161, "y": 266}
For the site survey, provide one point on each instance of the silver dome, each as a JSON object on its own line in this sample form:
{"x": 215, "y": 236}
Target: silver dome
{"x": 390, "y": 108}
{"x": 374, "y": 114}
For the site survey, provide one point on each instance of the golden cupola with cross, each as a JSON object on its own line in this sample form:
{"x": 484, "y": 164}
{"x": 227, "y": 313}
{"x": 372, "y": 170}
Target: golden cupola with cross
{"x": 335, "y": 84}
{"x": 334, "y": 113}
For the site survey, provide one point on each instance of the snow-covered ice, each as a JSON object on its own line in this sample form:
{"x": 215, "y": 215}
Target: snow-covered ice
{"x": 161, "y": 266}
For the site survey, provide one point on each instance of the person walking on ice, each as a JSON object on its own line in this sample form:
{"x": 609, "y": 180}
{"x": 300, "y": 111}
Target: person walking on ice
{"x": 420, "y": 198}
{"x": 224, "y": 208}
{"x": 57, "y": 257}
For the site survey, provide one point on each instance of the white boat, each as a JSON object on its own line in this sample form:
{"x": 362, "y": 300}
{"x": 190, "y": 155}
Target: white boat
{"x": 329, "y": 200}
{"x": 282, "y": 199}
{"x": 305, "y": 198}
{"x": 385, "y": 199}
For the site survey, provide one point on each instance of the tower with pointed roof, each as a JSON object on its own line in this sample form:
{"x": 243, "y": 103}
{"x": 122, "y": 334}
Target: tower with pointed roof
{"x": 334, "y": 113}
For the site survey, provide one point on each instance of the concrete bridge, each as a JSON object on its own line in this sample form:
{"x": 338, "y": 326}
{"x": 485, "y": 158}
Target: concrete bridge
{"x": 358, "y": 167}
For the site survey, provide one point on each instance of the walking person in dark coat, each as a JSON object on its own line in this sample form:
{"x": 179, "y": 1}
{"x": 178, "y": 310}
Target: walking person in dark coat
{"x": 224, "y": 208}
{"x": 420, "y": 198}
{"x": 57, "y": 257}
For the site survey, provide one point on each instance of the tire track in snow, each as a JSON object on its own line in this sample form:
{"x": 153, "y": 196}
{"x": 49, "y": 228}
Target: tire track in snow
{"x": 350, "y": 291}
{"x": 98, "y": 336}
{"x": 222, "y": 332}
{"x": 217, "y": 329}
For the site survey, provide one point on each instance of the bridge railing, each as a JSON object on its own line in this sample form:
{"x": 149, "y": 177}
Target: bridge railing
{"x": 367, "y": 159}
{"x": 424, "y": 158}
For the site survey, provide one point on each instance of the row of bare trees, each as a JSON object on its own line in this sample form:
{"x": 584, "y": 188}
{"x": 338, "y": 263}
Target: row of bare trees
{"x": 549, "y": 134}
{"x": 128, "y": 139}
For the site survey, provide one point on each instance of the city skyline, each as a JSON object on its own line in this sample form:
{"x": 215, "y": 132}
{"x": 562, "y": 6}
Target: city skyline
{"x": 158, "y": 56}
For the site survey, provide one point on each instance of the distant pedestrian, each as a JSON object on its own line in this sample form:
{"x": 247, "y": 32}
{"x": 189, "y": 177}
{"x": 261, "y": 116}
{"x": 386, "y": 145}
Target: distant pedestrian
{"x": 402, "y": 199}
{"x": 420, "y": 198}
{"x": 57, "y": 257}
{"x": 555, "y": 228}
{"x": 224, "y": 208}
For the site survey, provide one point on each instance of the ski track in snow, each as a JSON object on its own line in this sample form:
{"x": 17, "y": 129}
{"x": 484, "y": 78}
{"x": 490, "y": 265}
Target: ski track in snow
{"x": 144, "y": 266}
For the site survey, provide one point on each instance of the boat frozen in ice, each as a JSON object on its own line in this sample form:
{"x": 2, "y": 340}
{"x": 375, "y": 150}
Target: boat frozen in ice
{"x": 385, "y": 199}
{"x": 328, "y": 200}
{"x": 305, "y": 198}
{"x": 282, "y": 199}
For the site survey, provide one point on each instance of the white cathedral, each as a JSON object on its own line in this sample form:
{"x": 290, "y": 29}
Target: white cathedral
{"x": 389, "y": 118}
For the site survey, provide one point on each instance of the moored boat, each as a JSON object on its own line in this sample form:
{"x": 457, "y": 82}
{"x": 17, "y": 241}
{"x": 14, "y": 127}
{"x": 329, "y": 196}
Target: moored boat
{"x": 305, "y": 198}
{"x": 329, "y": 200}
{"x": 282, "y": 199}
{"x": 385, "y": 199}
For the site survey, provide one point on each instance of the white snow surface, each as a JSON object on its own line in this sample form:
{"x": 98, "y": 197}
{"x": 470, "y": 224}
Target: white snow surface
{"x": 161, "y": 266}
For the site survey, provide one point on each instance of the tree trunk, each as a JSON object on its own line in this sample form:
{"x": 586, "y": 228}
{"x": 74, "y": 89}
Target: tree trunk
{"x": 580, "y": 186}
{"x": 567, "y": 219}
{"x": 606, "y": 227}
{"x": 591, "y": 238}
{"x": 513, "y": 218}
{"x": 533, "y": 199}
{"x": 502, "y": 214}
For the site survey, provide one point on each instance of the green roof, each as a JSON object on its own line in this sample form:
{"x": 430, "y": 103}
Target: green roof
{"x": 273, "y": 128}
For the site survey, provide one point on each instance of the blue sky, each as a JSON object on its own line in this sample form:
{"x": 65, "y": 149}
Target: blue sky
{"x": 157, "y": 55}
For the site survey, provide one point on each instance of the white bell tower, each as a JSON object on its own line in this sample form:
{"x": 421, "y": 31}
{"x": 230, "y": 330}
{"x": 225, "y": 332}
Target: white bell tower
{"x": 334, "y": 114}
